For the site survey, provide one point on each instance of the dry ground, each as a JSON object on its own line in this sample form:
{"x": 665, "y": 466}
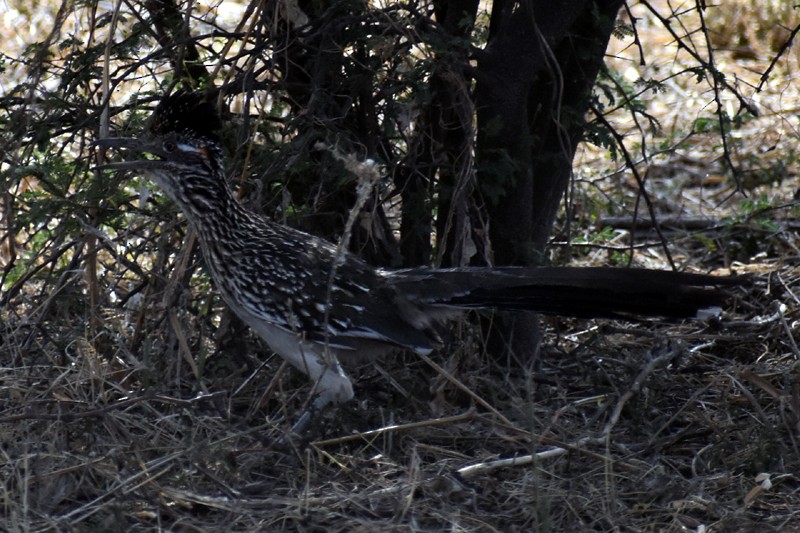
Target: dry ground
{"x": 617, "y": 426}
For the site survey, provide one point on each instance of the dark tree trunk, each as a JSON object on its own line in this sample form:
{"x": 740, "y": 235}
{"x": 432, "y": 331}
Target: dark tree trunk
{"x": 534, "y": 79}
{"x": 443, "y": 149}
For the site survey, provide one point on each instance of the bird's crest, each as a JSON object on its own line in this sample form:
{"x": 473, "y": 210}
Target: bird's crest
{"x": 184, "y": 112}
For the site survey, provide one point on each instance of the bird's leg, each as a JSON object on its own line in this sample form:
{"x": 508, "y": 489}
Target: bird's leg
{"x": 332, "y": 386}
{"x": 300, "y": 429}
{"x": 316, "y": 407}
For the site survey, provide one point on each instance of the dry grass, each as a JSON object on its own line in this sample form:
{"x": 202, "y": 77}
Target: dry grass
{"x": 619, "y": 427}
{"x": 651, "y": 427}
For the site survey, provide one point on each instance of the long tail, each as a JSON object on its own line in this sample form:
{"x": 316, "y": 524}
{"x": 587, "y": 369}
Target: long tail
{"x": 593, "y": 292}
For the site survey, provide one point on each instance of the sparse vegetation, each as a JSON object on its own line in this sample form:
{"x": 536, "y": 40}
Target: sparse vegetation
{"x": 131, "y": 400}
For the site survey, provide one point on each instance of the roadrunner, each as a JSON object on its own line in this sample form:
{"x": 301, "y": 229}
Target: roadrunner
{"x": 316, "y": 307}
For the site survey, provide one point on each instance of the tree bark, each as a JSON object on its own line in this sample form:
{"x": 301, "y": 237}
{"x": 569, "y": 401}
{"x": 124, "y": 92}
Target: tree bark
{"x": 443, "y": 149}
{"x": 534, "y": 77}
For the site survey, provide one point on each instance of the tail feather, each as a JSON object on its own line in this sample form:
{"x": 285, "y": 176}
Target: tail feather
{"x": 594, "y": 292}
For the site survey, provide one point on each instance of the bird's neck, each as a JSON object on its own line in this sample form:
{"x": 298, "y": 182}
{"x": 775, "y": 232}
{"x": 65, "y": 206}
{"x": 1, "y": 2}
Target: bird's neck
{"x": 220, "y": 219}
{"x": 220, "y": 209}
{"x": 201, "y": 201}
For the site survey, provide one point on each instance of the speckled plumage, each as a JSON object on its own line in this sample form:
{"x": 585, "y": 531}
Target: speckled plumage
{"x": 278, "y": 279}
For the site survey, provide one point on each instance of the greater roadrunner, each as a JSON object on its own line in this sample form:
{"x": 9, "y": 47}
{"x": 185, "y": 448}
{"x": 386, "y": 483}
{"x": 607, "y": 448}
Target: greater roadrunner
{"x": 315, "y": 307}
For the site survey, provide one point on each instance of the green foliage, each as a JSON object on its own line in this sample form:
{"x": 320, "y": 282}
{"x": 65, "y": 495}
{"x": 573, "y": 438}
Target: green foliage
{"x": 613, "y": 93}
{"x": 713, "y": 124}
{"x": 623, "y": 30}
{"x": 756, "y": 210}
{"x": 599, "y": 135}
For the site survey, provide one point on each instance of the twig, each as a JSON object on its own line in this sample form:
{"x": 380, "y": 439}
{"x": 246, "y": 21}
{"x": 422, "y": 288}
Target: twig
{"x": 452, "y": 379}
{"x": 367, "y": 435}
{"x": 120, "y": 404}
{"x": 368, "y": 175}
{"x": 778, "y": 54}
{"x": 126, "y": 486}
{"x": 522, "y": 460}
{"x": 557, "y": 450}
{"x": 649, "y": 368}
{"x": 640, "y": 181}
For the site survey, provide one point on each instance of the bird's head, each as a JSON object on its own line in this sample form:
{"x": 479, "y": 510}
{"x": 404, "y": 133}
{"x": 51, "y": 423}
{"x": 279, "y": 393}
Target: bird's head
{"x": 180, "y": 150}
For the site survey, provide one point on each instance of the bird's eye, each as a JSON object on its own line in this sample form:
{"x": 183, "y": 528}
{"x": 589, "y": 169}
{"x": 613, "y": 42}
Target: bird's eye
{"x": 169, "y": 146}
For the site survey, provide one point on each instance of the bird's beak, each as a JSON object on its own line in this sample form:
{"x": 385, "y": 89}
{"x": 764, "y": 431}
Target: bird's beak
{"x": 128, "y": 143}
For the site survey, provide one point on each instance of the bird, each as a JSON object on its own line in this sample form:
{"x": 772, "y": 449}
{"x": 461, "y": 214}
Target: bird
{"x": 317, "y": 307}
